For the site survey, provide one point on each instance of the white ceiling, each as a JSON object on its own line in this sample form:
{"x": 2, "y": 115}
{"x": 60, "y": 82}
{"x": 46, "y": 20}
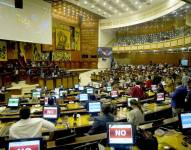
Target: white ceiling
{"x": 117, "y": 8}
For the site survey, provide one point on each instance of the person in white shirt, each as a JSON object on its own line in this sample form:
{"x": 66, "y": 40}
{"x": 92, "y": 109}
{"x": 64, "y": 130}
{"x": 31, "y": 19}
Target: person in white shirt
{"x": 28, "y": 127}
{"x": 135, "y": 116}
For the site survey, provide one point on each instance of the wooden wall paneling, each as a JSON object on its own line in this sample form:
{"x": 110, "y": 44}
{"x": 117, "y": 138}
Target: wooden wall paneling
{"x": 65, "y": 82}
{"x": 70, "y": 82}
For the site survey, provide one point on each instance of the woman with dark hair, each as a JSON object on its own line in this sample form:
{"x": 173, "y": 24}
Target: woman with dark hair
{"x": 136, "y": 115}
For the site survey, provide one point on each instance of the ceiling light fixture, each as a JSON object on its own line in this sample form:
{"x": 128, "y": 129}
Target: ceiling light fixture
{"x": 110, "y": 7}
{"x": 122, "y": 5}
{"x": 117, "y": 1}
{"x": 85, "y": 2}
{"x": 136, "y": 2}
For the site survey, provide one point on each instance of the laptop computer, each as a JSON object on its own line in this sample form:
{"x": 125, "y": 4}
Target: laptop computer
{"x": 13, "y": 105}
{"x": 25, "y": 144}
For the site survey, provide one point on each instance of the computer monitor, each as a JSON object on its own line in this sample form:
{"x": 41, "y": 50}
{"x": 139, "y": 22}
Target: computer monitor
{"x": 89, "y": 90}
{"x": 94, "y": 107}
{"x": 109, "y": 88}
{"x": 121, "y": 134}
{"x": 81, "y": 88}
{"x": 50, "y": 112}
{"x": 36, "y": 94}
{"x": 26, "y": 144}
{"x": 62, "y": 93}
{"x": 38, "y": 89}
{"x": 83, "y": 97}
{"x": 76, "y": 86}
{"x": 97, "y": 86}
{"x": 13, "y": 102}
{"x": 184, "y": 62}
{"x": 185, "y": 121}
{"x": 154, "y": 87}
{"x": 114, "y": 94}
{"x": 160, "y": 97}
{"x": 129, "y": 100}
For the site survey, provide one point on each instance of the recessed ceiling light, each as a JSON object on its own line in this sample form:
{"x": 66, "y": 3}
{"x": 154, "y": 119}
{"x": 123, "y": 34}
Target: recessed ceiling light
{"x": 92, "y": 6}
{"x": 127, "y": 9}
{"x": 140, "y": 6}
{"x": 136, "y": 2}
{"x": 85, "y": 2}
{"x": 117, "y": 1}
{"x": 104, "y": 3}
{"x": 110, "y": 7}
{"x": 99, "y": 9}
{"x": 115, "y": 11}
{"x": 122, "y": 5}
{"x": 119, "y": 14}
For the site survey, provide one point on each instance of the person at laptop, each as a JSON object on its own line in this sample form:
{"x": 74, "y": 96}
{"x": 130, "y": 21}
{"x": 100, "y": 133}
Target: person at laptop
{"x": 99, "y": 125}
{"x": 135, "y": 116}
{"x": 28, "y": 127}
{"x": 178, "y": 98}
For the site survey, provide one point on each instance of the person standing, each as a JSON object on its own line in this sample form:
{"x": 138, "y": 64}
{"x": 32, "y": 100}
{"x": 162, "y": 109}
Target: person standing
{"x": 178, "y": 98}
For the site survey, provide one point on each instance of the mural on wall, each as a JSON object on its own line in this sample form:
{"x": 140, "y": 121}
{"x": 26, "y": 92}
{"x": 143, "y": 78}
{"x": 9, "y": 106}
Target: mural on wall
{"x": 36, "y": 52}
{"x": 61, "y": 56}
{"x": 25, "y": 50}
{"x": 77, "y": 39}
{"x": 12, "y": 50}
{"x": 3, "y": 51}
{"x": 62, "y": 39}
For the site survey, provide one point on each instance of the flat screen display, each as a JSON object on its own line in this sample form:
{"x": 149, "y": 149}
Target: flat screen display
{"x": 81, "y": 88}
{"x": 120, "y": 134}
{"x": 24, "y": 145}
{"x": 160, "y": 97}
{"x": 154, "y": 87}
{"x": 32, "y": 23}
{"x": 114, "y": 94}
{"x": 109, "y": 88}
{"x": 13, "y": 102}
{"x": 184, "y": 62}
{"x": 89, "y": 90}
{"x": 83, "y": 97}
{"x": 50, "y": 112}
{"x": 62, "y": 92}
{"x": 36, "y": 94}
{"x": 185, "y": 120}
{"x": 76, "y": 86}
{"x": 94, "y": 107}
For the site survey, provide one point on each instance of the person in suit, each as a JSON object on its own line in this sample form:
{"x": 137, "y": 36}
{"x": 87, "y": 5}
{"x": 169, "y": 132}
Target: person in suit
{"x": 100, "y": 122}
{"x": 178, "y": 98}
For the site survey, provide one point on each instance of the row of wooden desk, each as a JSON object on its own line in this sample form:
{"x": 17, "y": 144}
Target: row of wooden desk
{"x": 171, "y": 139}
{"x": 67, "y": 81}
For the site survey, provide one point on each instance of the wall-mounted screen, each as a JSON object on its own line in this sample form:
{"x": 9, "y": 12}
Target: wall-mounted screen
{"x": 32, "y": 23}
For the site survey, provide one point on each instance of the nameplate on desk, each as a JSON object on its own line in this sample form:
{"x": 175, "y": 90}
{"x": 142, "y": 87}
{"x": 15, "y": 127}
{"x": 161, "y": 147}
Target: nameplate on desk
{"x": 29, "y": 145}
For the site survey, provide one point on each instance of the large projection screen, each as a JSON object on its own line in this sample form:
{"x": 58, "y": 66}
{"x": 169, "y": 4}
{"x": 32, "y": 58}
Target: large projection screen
{"x": 32, "y": 24}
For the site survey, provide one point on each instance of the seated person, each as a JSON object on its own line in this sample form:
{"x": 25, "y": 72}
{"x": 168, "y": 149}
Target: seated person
{"x": 137, "y": 91}
{"x": 136, "y": 115}
{"x": 28, "y": 127}
{"x": 99, "y": 125}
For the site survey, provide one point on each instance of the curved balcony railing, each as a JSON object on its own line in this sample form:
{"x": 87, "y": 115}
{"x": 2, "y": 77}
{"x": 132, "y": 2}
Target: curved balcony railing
{"x": 168, "y": 44}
